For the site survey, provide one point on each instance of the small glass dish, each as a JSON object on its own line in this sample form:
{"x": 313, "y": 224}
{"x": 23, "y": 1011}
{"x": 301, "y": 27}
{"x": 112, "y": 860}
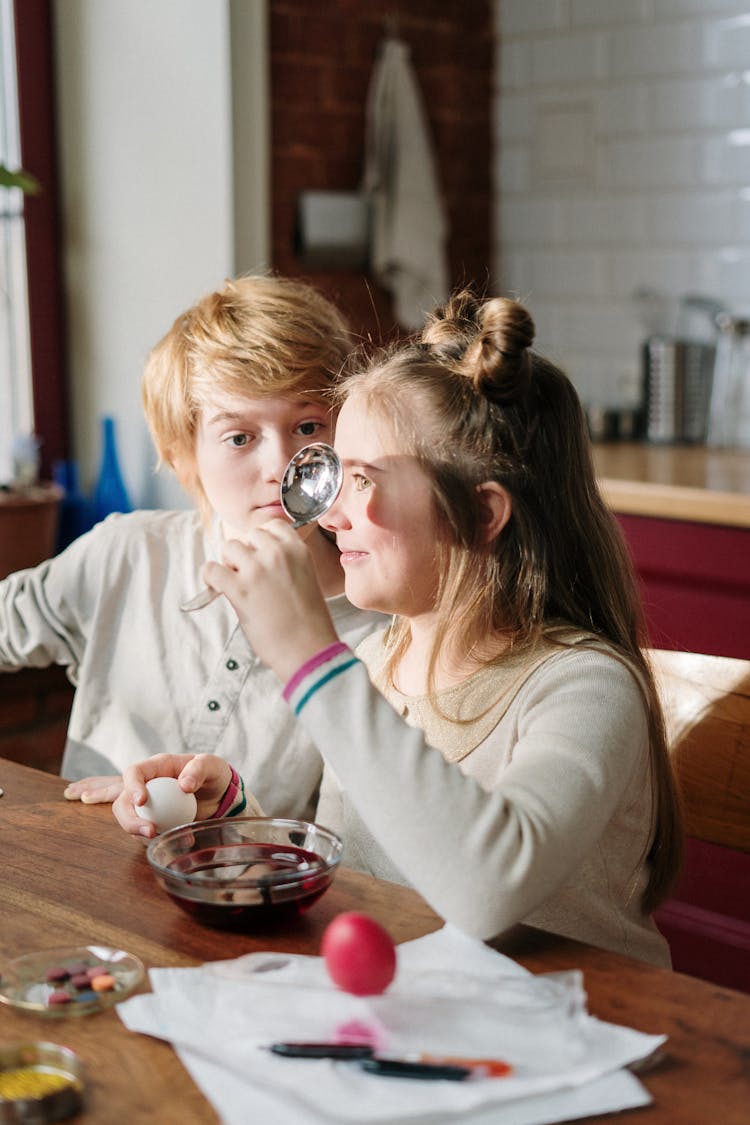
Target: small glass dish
{"x": 245, "y": 872}
{"x": 51, "y": 982}
{"x": 39, "y": 1082}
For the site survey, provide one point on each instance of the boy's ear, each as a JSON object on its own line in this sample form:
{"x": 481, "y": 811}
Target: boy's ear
{"x": 495, "y": 508}
{"x": 184, "y": 468}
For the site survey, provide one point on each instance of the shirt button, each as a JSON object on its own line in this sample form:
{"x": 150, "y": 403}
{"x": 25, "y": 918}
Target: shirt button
{"x": 213, "y": 705}
{"x": 232, "y": 665}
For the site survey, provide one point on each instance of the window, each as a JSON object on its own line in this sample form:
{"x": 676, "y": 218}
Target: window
{"x": 33, "y": 94}
{"x": 16, "y": 400}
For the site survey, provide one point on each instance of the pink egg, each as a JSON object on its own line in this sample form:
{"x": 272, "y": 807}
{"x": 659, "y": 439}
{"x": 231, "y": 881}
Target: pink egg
{"x": 359, "y": 954}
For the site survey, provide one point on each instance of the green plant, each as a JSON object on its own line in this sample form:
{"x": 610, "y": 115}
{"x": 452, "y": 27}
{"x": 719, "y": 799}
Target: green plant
{"x": 28, "y": 184}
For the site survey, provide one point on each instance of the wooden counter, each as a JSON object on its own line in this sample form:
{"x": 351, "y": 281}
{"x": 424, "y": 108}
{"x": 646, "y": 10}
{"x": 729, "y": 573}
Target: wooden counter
{"x": 676, "y": 482}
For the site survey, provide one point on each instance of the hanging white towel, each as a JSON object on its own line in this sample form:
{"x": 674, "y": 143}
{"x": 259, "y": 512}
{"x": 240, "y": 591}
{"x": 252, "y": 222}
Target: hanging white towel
{"x": 409, "y": 226}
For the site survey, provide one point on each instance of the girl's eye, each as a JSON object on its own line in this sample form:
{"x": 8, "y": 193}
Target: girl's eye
{"x": 237, "y": 441}
{"x": 361, "y": 482}
{"x": 309, "y": 429}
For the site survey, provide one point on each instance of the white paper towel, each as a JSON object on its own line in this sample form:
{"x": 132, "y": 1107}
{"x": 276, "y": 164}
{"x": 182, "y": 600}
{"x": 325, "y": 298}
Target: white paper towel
{"x": 451, "y": 995}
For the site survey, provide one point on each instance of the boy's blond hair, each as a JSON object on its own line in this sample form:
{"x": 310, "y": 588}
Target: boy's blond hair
{"x": 259, "y": 336}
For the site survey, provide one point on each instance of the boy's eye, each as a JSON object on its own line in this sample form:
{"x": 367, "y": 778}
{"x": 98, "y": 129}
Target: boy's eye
{"x": 309, "y": 429}
{"x": 361, "y": 482}
{"x": 238, "y": 440}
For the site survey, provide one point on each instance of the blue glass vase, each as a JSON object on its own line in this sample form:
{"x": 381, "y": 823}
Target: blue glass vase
{"x": 76, "y": 510}
{"x": 110, "y": 493}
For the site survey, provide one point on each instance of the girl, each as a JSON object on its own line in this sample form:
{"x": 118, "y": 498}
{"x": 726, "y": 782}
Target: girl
{"x": 500, "y": 745}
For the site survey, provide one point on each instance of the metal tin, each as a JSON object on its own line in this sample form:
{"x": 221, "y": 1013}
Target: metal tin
{"x": 614, "y": 424}
{"x": 729, "y": 414}
{"x": 679, "y": 370}
{"x": 678, "y": 386}
{"x": 42, "y": 1059}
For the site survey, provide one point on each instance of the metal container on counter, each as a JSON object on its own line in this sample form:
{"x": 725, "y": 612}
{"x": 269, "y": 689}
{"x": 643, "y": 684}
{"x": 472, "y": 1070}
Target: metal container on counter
{"x": 678, "y": 373}
{"x": 678, "y": 386}
{"x": 729, "y": 412}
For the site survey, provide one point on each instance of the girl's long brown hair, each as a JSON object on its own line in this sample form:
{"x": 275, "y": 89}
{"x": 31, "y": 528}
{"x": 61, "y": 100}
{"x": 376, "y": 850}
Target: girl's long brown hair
{"x": 474, "y": 403}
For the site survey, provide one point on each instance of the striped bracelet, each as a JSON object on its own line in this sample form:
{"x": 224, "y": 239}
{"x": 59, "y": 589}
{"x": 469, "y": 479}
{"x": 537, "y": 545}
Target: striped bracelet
{"x": 230, "y": 795}
{"x": 243, "y": 803}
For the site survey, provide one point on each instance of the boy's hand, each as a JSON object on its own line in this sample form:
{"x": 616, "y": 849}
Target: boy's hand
{"x": 205, "y": 775}
{"x": 94, "y": 790}
{"x": 270, "y": 580}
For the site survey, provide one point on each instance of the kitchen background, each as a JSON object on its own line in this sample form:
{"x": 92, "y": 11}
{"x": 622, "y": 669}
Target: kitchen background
{"x": 586, "y": 149}
{"x": 622, "y": 162}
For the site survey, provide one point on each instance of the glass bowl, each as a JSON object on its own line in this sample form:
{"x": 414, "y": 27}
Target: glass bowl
{"x": 60, "y": 982}
{"x": 245, "y": 872}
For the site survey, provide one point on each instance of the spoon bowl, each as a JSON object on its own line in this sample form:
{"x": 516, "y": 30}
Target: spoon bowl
{"x": 310, "y": 484}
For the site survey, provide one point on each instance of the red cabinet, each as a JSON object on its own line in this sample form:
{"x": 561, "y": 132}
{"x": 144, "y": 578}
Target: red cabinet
{"x": 696, "y": 583}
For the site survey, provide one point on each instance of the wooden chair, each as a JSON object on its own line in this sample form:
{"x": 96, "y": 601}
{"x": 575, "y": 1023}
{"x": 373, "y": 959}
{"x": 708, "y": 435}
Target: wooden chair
{"x": 707, "y": 921}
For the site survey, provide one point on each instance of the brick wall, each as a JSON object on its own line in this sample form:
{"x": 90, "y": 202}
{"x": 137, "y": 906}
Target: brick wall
{"x": 34, "y": 709}
{"x": 322, "y": 57}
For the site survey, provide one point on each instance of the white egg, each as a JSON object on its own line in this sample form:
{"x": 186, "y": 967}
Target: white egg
{"x": 167, "y": 805}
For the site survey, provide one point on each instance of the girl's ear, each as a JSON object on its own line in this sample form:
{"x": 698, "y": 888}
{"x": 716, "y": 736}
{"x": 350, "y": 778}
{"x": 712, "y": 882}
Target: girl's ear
{"x": 495, "y": 509}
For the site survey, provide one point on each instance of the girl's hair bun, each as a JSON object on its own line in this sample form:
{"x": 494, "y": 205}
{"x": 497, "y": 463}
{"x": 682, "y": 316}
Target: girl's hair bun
{"x": 451, "y": 327}
{"x": 498, "y": 361}
{"x": 488, "y": 341}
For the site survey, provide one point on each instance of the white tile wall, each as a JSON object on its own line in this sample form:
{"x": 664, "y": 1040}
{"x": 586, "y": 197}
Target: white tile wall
{"x": 651, "y": 186}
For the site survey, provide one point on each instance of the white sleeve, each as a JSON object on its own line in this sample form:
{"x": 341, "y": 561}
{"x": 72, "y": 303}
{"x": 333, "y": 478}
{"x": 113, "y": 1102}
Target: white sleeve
{"x": 44, "y": 611}
{"x": 484, "y": 860}
{"x": 329, "y": 811}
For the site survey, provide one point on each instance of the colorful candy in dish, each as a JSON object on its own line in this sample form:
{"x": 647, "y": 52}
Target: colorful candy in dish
{"x": 69, "y": 982}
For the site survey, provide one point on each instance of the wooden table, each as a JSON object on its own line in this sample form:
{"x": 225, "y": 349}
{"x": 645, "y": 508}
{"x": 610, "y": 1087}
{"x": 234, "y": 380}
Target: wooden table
{"x": 69, "y": 876}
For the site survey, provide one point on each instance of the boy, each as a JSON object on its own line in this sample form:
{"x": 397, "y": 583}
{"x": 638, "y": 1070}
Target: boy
{"x": 234, "y": 389}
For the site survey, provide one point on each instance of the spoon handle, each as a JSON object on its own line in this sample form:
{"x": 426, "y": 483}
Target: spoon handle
{"x": 204, "y": 598}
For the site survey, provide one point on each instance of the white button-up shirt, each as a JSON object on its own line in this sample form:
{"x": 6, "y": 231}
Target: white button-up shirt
{"x": 150, "y": 678}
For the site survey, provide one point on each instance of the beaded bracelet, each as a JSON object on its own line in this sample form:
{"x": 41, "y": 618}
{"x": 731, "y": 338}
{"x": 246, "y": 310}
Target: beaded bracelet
{"x": 230, "y": 795}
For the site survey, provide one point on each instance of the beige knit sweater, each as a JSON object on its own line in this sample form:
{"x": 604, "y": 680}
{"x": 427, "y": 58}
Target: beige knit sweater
{"x": 538, "y": 810}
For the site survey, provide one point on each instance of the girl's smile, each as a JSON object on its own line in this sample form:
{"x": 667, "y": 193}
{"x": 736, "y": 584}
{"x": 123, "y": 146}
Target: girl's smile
{"x": 350, "y": 557}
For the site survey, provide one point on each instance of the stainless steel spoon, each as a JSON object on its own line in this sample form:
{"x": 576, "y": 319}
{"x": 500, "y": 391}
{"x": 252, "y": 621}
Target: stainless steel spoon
{"x": 310, "y": 484}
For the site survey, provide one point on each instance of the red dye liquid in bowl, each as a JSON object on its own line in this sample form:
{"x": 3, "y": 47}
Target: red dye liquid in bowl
{"x": 255, "y": 884}
{"x": 244, "y": 872}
